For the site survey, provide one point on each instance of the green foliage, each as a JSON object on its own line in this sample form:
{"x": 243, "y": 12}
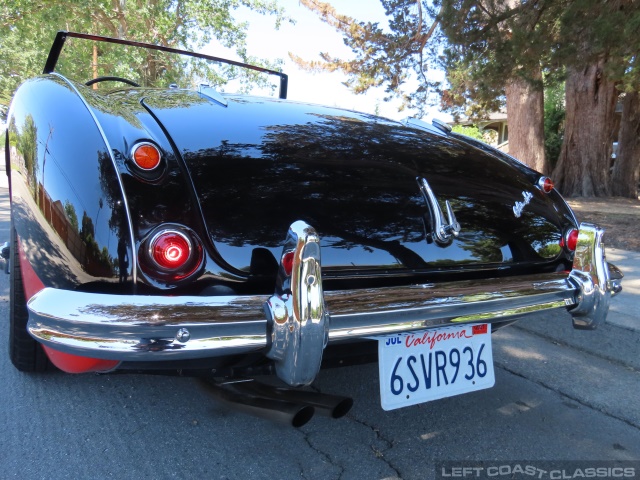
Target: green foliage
{"x": 27, "y": 30}
{"x": 481, "y": 44}
{"x": 384, "y": 56}
{"x": 489, "y": 43}
{"x": 554, "y": 112}
{"x": 470, "y": 131}
{"x": 70, "y": 210}
{"x": 591, "y": 30}
{"x": 27, "y": 147}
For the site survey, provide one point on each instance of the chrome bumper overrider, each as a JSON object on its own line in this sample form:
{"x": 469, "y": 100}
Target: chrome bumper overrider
{"x": 293, "y": 326}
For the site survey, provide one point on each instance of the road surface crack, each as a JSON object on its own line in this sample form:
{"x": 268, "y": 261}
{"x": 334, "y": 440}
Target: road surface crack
{"x": 557, "y": 341}
{"x": 590, "y": 406}
{"x": 323, "y": 455}
{"x": 380, "y": 454}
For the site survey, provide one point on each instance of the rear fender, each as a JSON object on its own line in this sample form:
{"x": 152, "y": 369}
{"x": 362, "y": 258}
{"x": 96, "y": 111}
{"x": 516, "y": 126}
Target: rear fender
{"x": 66, "y": 201}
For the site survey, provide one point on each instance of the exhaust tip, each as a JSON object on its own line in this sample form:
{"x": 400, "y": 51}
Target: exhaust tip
{"x": 289, "y": 406}
{"x": 303, "y": 416}
{"x": 342, "y": 408}
{"x": 241, "y": 397}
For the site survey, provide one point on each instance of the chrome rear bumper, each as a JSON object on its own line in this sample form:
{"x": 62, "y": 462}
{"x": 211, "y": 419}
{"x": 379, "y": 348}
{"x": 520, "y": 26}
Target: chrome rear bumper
{"x": 294, "y": 325}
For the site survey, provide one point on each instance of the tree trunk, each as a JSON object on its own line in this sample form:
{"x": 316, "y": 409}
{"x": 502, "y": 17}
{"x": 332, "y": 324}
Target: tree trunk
{"x": 626, "y": 169}
{"x": 525, "y": 113}
{"x": 94, "y": 64}
{"x": 585, "y": 157}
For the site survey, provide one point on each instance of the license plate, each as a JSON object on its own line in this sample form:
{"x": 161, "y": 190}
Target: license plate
{"x": 427, "y": 365}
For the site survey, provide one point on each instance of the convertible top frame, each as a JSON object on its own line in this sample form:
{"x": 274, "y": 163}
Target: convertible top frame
{"x": 62, "y": 36}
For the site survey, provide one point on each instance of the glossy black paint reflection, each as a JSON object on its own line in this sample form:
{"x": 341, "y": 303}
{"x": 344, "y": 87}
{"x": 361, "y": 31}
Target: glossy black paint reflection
{"x": 154, "y": 201}
{"x": 258, "y": 165}
{"x": 239, "y": 176}
{"x": 66, "y": 204}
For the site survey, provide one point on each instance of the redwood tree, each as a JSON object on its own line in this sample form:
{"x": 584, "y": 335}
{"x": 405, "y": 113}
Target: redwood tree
{"x": 600, "y": 47}
{"x": 624, "y": 179}
{"x": 585, "y": 157}
{"x": 626, "y": 170}
{"x": 525, "y": 114}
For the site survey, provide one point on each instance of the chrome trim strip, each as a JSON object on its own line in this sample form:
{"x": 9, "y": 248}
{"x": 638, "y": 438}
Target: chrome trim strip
{"x": 439, "y": 124}
{"x": 422, "y": 125}
{"x": 134, "y": 252}
{"x": 137, "y": 327}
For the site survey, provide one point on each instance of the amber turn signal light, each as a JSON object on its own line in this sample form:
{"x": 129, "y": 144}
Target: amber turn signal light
{"x": 146, "y": 156}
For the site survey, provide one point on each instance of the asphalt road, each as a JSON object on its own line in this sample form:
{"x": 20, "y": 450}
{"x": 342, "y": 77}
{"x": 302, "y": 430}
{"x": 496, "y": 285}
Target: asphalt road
{"x": 557, "y": 397}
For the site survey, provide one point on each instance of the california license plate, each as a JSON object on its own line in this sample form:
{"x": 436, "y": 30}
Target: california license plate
{"x": 427, "y": 365}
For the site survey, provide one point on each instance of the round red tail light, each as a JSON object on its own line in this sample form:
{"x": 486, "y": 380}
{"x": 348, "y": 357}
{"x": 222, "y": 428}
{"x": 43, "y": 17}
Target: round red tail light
{"x": 170, "y": 249}
{"x": 572, "y": 239}
{"x": 171, "y": 253}
{"x": 287, "y": 262}
{"x": 545, "y": 184}
{"x": 146, "y": 156}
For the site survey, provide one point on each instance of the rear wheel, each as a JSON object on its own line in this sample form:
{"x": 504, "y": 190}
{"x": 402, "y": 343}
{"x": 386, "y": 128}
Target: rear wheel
{"x": 26, "y": 354}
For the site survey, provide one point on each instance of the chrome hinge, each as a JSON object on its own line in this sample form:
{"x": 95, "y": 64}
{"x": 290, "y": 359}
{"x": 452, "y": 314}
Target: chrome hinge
{"x": 208, "y": 91}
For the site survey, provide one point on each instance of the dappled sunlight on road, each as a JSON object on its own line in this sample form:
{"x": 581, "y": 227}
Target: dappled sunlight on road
{"x": 515, "y": 348}
{"x": 522, "y": 353}
{"x": 429, "y": 436}
{"x": 518, "y": 406}
{"x": 569, "y": 371}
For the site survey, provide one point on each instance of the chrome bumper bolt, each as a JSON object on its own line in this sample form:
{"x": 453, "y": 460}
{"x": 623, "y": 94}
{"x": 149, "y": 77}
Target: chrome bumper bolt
{"x": 183, "y": 335}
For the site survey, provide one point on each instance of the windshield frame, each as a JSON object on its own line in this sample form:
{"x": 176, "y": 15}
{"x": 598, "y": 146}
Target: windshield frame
{"x": 61, "y": 37}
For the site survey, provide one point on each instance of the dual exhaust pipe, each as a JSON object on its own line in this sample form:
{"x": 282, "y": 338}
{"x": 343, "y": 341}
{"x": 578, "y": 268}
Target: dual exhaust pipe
{"x": 283, "y": 405}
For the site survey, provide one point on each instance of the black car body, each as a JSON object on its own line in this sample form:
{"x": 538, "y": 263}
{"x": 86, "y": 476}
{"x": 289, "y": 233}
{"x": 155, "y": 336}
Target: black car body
{"x": 263, "y": 235}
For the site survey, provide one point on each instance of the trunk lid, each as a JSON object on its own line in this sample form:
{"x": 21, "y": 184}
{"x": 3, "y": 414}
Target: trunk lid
{"x": 258, "y": 165}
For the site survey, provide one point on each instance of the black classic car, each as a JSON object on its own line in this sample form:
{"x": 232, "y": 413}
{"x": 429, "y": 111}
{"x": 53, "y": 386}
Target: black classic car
{"x": 177, "y": 229}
